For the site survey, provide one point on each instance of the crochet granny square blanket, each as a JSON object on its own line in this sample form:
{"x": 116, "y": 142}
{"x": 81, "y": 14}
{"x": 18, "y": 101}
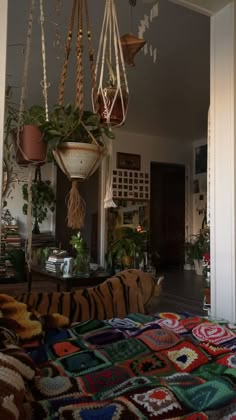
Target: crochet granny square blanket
{"x": 167, "y": 366}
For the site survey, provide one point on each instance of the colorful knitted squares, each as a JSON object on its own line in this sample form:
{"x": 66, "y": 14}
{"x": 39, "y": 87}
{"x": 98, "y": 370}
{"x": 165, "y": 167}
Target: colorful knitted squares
{"x": 211, "y": 394}
{"x": 157, "y": 403}
{"x": 172, "y": 324}
{"x": 229, "y": 360}
{"x": 104, "y": 379}
{"x": 52, "y": 336}
{"x": 123, "y": 323}
{"x": 47, "y": 387}
{"x": 181, "y": 379}
{"x": 227, "y": 412}
{"x": 127, "y": 386}
{"x": 101, "y": 410}
{"x": 102, "y": 338}
{"x": 158, "y": 339}
{"x": 214, "y": 350}
{"x": 141, "y": 318}
{"x": 186, "y": 356}
{"x": 125, "y": 349}
{"x": 85, "y": 327}
{"x": 213, "y": 333}
{"x": 190, "y": 323}
{"x": 63, "y": 348}
{"x": 153, "y": 364}
{"x": 169, "y": 315}
{"x": 83, "y": 362}
{"x": 50, "y": 369}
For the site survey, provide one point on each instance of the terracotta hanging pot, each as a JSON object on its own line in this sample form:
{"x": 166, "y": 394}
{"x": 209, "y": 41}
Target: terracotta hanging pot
{"x": 31, "y": 148}
{"x": 79, "y": 160}
{"x": 111, "y": 109}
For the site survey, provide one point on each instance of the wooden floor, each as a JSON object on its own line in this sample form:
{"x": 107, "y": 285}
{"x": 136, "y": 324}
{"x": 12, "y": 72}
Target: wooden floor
{"x": 182, "y": 291}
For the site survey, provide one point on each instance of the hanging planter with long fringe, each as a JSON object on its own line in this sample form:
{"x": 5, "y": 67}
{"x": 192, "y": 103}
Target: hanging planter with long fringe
{"x": 77, "y": 158}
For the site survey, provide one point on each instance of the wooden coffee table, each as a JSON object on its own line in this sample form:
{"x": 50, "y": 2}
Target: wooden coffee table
{"x": 65, "y": 283}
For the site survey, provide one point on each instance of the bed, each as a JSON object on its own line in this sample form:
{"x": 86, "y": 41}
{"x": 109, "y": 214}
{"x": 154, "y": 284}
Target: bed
{"x": 165, "y": 366}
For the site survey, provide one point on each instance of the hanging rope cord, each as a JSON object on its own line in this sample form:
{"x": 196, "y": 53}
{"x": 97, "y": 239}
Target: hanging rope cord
{"x": 45, "y": 85}
{"x": 75, "y": 203}
{"x": 110, "y": 30}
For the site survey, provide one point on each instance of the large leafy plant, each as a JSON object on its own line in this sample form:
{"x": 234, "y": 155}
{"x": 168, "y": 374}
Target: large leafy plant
{"x": 43, "y": 198}
{"x": 65, "y": 124}
{"x": 130, "y": 243}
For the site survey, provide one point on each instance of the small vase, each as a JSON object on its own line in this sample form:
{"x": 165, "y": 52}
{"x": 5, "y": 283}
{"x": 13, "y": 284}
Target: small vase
{"x": 82, "y": 267}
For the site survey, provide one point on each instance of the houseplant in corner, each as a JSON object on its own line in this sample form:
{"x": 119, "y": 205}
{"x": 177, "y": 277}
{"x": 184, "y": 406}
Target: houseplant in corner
{"x": 197, "y": 246}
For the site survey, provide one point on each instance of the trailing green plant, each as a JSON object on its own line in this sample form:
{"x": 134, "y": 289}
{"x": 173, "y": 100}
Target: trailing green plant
{"x": 43, "y": 198}
{"x": 66, "y": 125}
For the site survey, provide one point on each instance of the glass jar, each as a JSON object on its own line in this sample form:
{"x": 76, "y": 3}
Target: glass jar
{"x": 82, "y": 267}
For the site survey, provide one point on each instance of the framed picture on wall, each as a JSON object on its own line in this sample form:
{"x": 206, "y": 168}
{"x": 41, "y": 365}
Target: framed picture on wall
{"x": 200, "y": 159}
{"x": 128, "y": 161}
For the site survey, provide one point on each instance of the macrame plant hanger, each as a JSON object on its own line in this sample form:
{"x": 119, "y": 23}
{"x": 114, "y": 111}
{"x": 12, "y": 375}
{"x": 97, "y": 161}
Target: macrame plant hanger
{"x": 75, "y": 203}
{"x": 113, "y": 91}
{"x": 45, "y": 85}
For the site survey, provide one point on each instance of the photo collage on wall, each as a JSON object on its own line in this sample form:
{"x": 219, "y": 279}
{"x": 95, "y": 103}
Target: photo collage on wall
{"x": 131, "y": 184}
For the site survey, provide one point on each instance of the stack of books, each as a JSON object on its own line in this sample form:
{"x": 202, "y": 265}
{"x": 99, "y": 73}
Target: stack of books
{"x": 12, "y": 237}
{"x": 54, "y": 261}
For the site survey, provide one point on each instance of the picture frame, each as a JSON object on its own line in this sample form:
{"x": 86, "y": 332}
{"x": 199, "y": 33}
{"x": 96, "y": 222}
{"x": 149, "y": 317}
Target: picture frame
{"x": 128, "y": 161}
{"x": 200, "y": 159}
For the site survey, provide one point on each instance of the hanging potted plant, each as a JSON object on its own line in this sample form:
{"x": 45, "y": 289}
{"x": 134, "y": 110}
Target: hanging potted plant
{"x": 113, "y": 92}
{"x": 30, "y": 147}
{"x": 78, "y": 149}
{"x": 75, "y": 142}
{"x": 112, "y": 99}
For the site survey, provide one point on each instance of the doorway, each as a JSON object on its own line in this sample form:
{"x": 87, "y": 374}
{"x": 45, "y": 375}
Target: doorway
{"x": 167, "y": 213}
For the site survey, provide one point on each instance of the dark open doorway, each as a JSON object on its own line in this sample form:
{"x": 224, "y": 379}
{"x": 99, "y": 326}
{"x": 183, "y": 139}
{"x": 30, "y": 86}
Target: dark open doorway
{"x": 167, "y": 213}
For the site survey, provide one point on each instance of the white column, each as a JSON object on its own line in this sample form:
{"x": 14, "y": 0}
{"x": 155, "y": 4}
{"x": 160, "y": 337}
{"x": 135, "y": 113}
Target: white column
{"x": 223, "y": 163}
{"x": 3, "y": 50}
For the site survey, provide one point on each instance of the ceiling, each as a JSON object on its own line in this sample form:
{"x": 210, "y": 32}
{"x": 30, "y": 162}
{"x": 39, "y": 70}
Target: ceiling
{"x": 206, "y": 6}
{"x": 168, "y": 98}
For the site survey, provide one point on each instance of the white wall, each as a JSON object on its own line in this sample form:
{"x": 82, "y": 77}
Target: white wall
{"x": 152, "y": 149}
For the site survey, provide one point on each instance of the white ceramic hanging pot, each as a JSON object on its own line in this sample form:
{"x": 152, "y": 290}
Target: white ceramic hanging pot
{"x": 79, "y": 160}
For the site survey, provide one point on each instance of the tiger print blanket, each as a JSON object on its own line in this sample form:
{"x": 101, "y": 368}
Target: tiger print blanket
{"x": 129, "y": 291}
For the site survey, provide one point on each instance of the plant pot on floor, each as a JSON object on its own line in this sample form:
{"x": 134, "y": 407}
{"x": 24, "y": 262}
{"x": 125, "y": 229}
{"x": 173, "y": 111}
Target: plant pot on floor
{"x": 79, "y": 160}
{"x": 31, "y": 147}
{"x": 198, "y": 267}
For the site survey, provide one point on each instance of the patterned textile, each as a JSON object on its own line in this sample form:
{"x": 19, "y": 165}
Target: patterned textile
{"x": 171, "y": 366}
{"x": 127, "y": 292}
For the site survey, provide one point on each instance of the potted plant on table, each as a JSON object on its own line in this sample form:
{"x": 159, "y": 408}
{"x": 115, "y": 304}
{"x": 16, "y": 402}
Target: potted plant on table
{"x": 81, "y": 265}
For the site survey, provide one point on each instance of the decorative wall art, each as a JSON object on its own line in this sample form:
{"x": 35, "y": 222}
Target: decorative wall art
{"x": 128, "y": 161}
{"x": 200, "y": 159}
{"x": 131, "y": 185}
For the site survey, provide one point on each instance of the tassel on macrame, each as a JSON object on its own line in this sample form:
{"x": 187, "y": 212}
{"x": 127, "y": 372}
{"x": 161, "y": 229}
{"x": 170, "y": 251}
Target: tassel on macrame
{"x": 76, "y": 207}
